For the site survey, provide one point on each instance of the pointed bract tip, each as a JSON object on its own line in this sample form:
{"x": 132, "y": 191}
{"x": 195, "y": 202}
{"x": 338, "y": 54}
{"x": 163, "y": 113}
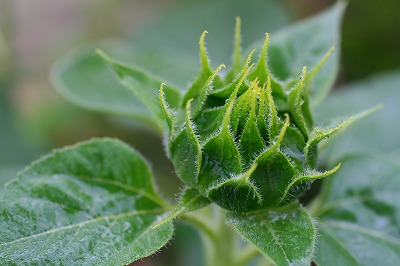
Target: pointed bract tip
{"x": 221, "y": 66}
{"x": 162, "y": 88}
{"x": 103, "y": 54}
{"x": 238, "y": 22}
{"x": 304, "y": 71}
{"x": 188, "y": 103}
{"x": 283, "y": 131}
{"x": 202, "y": 36}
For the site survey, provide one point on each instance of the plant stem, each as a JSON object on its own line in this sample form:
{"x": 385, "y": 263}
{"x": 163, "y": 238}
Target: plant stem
{"x": 202, "y": 226}
{"x": 219, "y": 241}
{"x": 246, "y": 256}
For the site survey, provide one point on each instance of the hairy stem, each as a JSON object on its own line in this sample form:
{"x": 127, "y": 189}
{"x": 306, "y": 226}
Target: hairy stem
{"x": 220, "y": 243}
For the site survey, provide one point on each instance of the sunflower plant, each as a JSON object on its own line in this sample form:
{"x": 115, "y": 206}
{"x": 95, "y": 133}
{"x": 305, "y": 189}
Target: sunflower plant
{"x": 243, "y": 141}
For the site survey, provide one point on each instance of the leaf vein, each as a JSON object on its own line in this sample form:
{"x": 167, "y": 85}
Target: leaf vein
{"x": 81, "y": 224}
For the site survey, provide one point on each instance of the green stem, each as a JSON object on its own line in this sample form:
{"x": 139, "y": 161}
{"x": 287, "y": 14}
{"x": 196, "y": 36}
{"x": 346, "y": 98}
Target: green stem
{"x": 202, "y": 225}
{"x": 219, "y": 241}
{"x": 247, "y": 255}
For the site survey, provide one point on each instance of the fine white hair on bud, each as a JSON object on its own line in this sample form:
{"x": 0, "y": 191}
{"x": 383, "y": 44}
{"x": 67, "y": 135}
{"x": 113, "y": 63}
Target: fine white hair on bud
{"x": 246, "y": 141}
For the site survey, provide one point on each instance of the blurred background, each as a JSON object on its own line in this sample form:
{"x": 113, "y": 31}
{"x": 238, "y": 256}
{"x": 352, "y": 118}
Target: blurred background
{"x": 34, "y": 34}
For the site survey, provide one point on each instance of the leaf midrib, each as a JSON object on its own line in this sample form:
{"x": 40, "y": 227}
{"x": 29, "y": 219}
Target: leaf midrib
{"x": 363, "y": 230}
{"x": 272, "y": 232}
{"x": 125, "y": 187}
{"x": 346, "y": 201}
{"x": 81, "y": 224}
{"x": 338, "y": 241}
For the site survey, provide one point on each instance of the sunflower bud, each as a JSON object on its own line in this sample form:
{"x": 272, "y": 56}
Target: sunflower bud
{"x": 245, "y": 141}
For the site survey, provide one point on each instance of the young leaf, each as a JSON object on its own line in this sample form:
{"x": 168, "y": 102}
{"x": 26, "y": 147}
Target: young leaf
{"x": 237, "y": 193}
{"x": 145, "y": 86}
{"x": 291, "y": 192}
{"x": 186, "y": 153}
{"x": 227, "y": 90}
{"x": 221, "y": 160}
{"x": 318, "y": 134}
{"x": 270, "y": 178}
{"x": 286, "y": 236}
{"x": 261, "y": 69}
{"x": 295, "y": 104}
{"x": 197, "y": 87}
{"x": 305, "y": 44}
{"x": 85, "y": 80}
{"x": 214, "y": 116}
{"x": 92, "y": 203}
{"x": 358, "y": 213}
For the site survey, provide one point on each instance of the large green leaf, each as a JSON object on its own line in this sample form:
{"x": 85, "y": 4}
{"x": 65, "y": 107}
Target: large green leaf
{"x": 284, "y": 236}
{"x": 305, "y": 44}
{"x": 93, "y": 204}
{"x": 359, "y": 213}
{"x": 83, "y": 78}
{"x": 378, "y": 131}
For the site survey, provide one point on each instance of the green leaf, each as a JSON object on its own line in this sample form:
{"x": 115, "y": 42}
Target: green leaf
{"x": 221, "y": 160}
{"x": 295, "y": 104}
{"x": 359, "y": 214}
{"x": 185, "y": 152}
{"x": 214, "y": 119}
{"x": 145, "y": 86}
{"x": 378, "y": 131}
{"x": 305, "y": 44}
{"x": 204, "y": 79}
{"x": 84, "y": 79}
{"x": 237, "y": 193}
{"x": 317, "y": 135}
{"x": 284, "y": 236}
{"x": 270, "y": 177}
{"x": 93, "y": 204}
{"x": 251, "y": 142}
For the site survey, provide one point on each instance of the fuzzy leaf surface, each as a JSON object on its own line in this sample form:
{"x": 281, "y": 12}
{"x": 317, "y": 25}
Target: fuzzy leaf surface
{"x": 186, "y": 156}
{"x": 220, "y": 160}
{"x": 284, "y": 236}
{"x": 358, "y": 213}
{"x": 93, "y": 203}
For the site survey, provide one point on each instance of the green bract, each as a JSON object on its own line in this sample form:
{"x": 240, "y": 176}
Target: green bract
{"x": 243, "y": 138}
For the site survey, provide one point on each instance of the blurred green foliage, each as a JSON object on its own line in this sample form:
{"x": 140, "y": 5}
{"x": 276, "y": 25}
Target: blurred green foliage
{"x": 371, "y": 38}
